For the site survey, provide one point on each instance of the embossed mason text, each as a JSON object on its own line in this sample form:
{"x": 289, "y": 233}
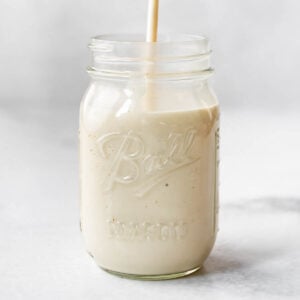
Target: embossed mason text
{"x": 147, "y": 230}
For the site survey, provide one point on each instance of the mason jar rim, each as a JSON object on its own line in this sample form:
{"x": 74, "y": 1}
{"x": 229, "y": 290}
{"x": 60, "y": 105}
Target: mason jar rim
{"x": 164, "y": 39}
{"x": 128, "y": 54}
{"x": 168, "y": 45}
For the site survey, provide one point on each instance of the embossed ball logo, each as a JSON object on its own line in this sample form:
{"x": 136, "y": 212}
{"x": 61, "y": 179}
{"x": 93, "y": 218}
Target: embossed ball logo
{"x": 129, "y": 159}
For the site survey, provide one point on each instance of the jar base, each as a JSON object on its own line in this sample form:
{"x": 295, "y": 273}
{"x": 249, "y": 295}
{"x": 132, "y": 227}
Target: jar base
{"x": 153, "y": 277}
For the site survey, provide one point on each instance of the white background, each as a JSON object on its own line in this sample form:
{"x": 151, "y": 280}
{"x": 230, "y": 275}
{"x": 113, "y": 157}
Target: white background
{"x": 43, "y": 56}
{"x": 256, "y": 46}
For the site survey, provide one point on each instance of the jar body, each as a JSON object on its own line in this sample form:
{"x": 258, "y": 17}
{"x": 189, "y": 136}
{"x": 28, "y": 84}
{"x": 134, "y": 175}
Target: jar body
{"x": 149, "y": 175}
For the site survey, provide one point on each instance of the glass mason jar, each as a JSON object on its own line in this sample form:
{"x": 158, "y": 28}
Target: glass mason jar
{"x": 149, "y": 156}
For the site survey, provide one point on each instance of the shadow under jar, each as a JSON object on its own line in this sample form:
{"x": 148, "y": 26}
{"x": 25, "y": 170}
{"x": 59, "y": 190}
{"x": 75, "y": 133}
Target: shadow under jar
{"x": 149, "y": 156}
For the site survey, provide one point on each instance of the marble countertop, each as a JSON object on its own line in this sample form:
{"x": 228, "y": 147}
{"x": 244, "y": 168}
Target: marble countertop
{"x": 257, "y": 253}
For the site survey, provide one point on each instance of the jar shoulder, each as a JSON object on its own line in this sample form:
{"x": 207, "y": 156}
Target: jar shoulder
{"x": 140, "y": 96}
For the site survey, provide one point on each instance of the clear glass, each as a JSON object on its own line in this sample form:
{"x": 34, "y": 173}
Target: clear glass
{"x": 149, "y": 129}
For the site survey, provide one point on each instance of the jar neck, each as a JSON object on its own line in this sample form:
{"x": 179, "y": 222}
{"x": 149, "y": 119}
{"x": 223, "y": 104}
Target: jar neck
{"x": 176, "y": 57}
